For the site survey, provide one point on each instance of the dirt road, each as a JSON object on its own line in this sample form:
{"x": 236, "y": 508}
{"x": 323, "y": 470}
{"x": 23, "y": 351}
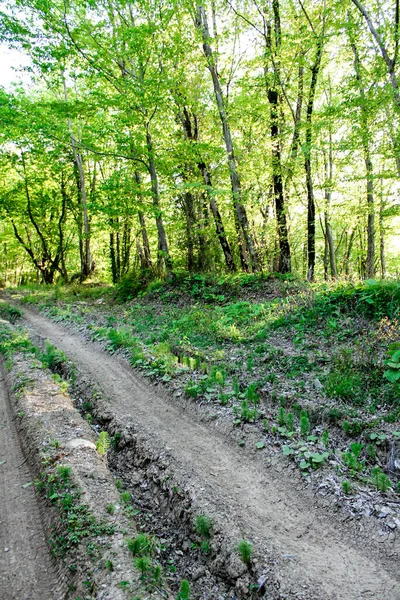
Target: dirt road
{"x": 26, "y": 569}
{"x": 265, "y": 505}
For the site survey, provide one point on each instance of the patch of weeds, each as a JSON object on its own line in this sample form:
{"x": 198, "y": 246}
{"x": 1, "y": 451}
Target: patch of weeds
{"x": 245, "y": 414}
{"x": 9, "y": 312}
{"x": 352, "y": 458}
{"x": 52, "y": 358}
{"x": 344, "y": 385}
{"x": 193, "y": 389}
{"x": 142, "y": 545}
{"x": 126, "y": 497}
{"x": 304, "y": 423}
{"x": 346, "y": 487}
{"x": 76, "y": 522}
{"x": 119, "y": 484}
{"x": 380, "y": 480}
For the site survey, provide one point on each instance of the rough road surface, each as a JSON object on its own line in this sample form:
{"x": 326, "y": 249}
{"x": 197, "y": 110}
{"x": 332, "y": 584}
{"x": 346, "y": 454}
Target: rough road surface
{"x": 312, "y": 550}
{"x": 26, "y": 569}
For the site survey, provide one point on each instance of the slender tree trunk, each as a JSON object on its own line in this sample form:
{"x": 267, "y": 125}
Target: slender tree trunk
{"x": 284, "y": 265}
{"x": 284, "y": 248}
{"x": 113, "y": 261}
{"x": 219, "y": 226}
{"x": 308, "y": 165}
{"x": 163, "y": 251}
{"x": 370, "y": 263}
{"x": 382, "y": 240}
{"x": 248, "y": 257}
{"x": 146, "y": 263}
{"x": 347, "y": 253}
{"x": 329, "y": 243}
{"x": 87, "y": 264}
{"x": 192, "y": 135}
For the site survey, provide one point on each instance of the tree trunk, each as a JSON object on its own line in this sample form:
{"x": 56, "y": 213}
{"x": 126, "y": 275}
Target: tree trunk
{"x": 163, "y": 251}
{"x": 329, "y": 243}
{"x": 370, "y": 262}
{"x": 219, "y": 226}
{"x": 87, "y": 265}
{"x": 382, "y": 240}
{"x": 307, "y": 163}
{"x": 284, "y": 248}
{"x": 245, "y": 240}
{"x": 146, "y": 263}
{"x": 192, "y": 135}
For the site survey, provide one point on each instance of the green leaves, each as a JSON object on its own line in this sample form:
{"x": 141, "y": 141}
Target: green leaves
{"x": 392, "y": 373}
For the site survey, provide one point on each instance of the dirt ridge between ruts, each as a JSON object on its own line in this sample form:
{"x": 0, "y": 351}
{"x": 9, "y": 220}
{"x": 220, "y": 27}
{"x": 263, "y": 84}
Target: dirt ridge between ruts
{"x": 273, "y": 514}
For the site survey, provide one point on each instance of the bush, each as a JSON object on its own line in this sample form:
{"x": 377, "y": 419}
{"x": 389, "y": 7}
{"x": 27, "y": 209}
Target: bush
{"x": 131, "y": 284}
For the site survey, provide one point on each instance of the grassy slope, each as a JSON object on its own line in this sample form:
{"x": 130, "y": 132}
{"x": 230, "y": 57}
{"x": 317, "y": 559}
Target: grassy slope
{"x": 305, "y": 364}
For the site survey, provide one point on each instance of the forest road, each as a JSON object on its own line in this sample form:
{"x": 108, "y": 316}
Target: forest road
{"x": 266, "y": 506}
{"x": 26, "y": 567}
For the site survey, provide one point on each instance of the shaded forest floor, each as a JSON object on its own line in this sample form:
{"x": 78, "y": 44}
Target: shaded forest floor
{"x": 298, "y": 377}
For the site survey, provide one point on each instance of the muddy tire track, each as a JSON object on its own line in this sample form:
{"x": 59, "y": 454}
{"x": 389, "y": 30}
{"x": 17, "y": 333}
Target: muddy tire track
{"x": 264, "y": 505}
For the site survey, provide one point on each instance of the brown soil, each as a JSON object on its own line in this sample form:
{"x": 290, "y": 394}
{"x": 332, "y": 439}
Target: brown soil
{"x": 303, "y": 550}
{"x": 26, "y": 568}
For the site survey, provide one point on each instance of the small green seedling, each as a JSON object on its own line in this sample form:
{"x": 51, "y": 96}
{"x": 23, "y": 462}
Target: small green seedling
{"x": 245, "y": 550}
{"x": 184, "y": 590}
{"x": 203, "y": 526}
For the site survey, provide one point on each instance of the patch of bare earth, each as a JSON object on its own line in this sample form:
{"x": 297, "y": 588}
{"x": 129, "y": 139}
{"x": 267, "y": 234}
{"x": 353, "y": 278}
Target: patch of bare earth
{"x": 302, "y": 550}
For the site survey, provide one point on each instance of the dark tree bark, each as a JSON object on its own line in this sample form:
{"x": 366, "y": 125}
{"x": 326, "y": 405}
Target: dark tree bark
{"x": 308, "y": 161}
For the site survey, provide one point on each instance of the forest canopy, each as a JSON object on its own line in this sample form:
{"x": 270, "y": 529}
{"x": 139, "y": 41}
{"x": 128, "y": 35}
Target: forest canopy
{"x": 218, "y": 136}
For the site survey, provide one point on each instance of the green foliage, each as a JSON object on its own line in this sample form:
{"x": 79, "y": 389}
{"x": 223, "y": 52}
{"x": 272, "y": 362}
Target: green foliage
{"x": 76, "y": 521}
{"x": 142, "y": 545}
{"x": 392, "y": 372}
{"x": 52, "y": 358}
{"x": 103, "y": 443}
{"x": 346, "y": 487}
{"x": 380, "y": 480}
{"x": 344, "y": 385}
{"x": 352, "y": 458}
{"x": 304, "y": 423}
{"x": 203, "y": 526}
{"x": 245, "y": 550}
{"x": 9, "y": 312}
{"x": 184, "y": 590}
